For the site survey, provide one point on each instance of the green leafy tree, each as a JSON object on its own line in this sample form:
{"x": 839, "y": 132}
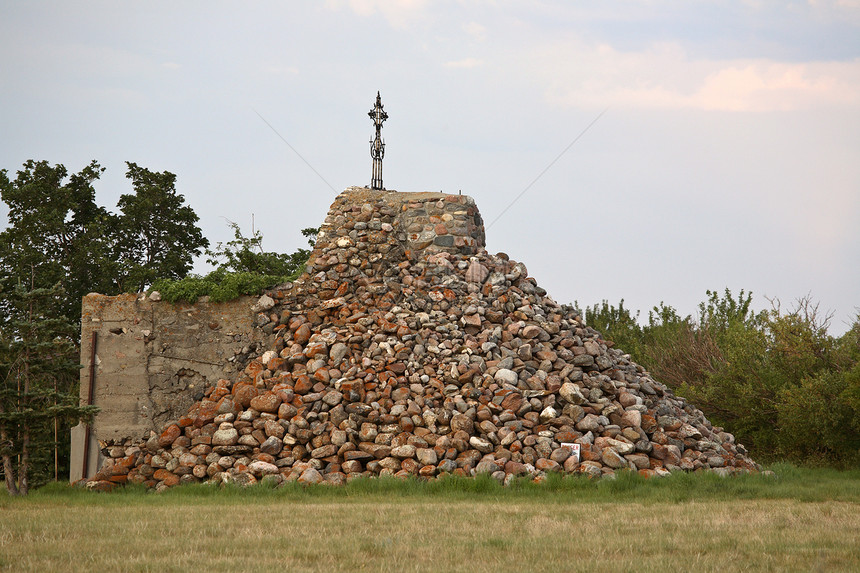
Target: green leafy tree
{"x": 57, "y": 233}
{"x": 243, "y": 268}
{"x": 158, "y": 236}
{"x": 246, "y": 254}
{"x": 616, "y": 324}
{"x": 62, "y": 245}
{"x": 776, "y": 379}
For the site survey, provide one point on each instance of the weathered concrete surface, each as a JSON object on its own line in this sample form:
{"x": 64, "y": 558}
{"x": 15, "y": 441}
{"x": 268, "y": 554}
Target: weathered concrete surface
{"x": 153, "y": 360}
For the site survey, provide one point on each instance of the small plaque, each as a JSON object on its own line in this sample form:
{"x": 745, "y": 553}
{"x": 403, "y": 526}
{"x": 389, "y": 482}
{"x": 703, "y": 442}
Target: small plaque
{"x": 574, "y": 449}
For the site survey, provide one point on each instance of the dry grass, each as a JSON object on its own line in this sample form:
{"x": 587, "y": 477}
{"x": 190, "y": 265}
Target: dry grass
{"x": 390, "y": 533}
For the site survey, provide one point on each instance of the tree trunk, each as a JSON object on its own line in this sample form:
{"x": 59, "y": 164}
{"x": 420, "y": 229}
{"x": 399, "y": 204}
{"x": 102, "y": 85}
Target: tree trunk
{"x": 8, "y": 466}
{"x": 9, "y": 472}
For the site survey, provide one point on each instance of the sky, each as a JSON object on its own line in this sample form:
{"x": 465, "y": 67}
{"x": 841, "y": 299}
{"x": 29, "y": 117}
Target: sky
{"x": 645, "y": 150}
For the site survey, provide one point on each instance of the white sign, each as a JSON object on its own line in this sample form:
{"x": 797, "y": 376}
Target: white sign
{"x": 574, "y": 449}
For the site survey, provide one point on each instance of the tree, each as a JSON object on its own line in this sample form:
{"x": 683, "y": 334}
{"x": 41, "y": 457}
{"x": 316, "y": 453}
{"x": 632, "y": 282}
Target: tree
{"x": 617, "y": 324}
{"x": 243, "y": 267}
{"x": 59, "y": 246}
{"x": 158, "y": 236}
{"x": 246, "y": 254}
{"x": 38, "y": 369}
{"x": 775, "y": 379}
{"x": 57, "y": 233}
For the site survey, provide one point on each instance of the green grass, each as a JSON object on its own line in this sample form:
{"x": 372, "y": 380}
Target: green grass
{"x": 797, "y": 520}
{"x": 787, "y": 482}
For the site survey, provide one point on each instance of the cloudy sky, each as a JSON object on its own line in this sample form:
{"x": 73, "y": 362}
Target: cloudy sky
{"x": 727, "y": 153}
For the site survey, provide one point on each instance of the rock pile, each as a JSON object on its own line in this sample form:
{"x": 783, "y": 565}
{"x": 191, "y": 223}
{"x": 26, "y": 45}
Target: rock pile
{"x": 401, "y": 354}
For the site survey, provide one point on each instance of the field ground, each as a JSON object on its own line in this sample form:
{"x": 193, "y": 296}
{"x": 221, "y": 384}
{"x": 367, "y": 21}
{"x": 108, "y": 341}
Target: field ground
{"x": 801, "y": 520}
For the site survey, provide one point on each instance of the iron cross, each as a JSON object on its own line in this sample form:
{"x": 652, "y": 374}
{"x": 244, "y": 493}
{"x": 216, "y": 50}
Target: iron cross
{"x": 377, "y": 145}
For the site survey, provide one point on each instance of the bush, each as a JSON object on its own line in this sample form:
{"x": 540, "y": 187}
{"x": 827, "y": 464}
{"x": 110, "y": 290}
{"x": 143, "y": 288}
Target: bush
{"x": 775, "y": 379}
{"x": 244, "y": 268}
{"x": 219, "y": 285}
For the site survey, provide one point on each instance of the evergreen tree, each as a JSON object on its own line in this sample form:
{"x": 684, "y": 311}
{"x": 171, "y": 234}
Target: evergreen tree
{"x": 38, "y": 376}
{"x": 59, "y": 246}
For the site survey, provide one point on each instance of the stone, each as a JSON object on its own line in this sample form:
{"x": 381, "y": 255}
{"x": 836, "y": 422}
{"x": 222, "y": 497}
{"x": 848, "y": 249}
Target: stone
{"x": 612, "y": 459}
{"x": 267, "y": 402}
{"x": 487, "y": 467}
{"x": 590, "y": 423}
{"x": 303, "y": 334}
{"x": 546, "y": 465}
{"x": 337, "y": 353}
{"x": 559, "y": 455}
{"x": 265, "y": 302}
{"x": 548, "y": 413}
{"x": 506, "y": 376}
{"x": 530, "y": 331}
{"x": 689, "y": 431}
{"x": 403, "y": 452}
{"x": 512, "y": 401}
{"x": 260, "y": 468}
{"x": 482, "y": 445}
{"x": 426, "y": 456}
{"x": 461, "y": 422}
{"x": 273, "y": 445}
{"x": 476, "y": 273}
{"x": 169, "y": 434}
{"x": 225, "y": 437}
{"x": 571, "y": 393}
{"x": 310, "y": 477}
{"x": 641, "y": 461}
{"x": 516, "y": 468}
{"x": 324, "y": 451}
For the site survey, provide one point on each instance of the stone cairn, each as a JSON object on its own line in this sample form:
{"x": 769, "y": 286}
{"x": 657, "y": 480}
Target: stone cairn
{"x": 407, "y": 350}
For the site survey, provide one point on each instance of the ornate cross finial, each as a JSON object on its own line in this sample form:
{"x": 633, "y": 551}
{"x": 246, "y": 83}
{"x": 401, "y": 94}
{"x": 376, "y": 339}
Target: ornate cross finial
{"x": 377, "y": 146}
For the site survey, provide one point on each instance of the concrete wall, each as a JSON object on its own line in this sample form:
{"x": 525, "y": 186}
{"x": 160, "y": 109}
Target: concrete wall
{"x": 153, "y": 359}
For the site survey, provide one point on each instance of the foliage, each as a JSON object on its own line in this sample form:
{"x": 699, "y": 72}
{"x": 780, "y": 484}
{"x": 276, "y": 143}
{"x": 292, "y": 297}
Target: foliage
{"x": 776, "y": 379}
{"x": 219, "y": 285}
{"x": 616, "y": 324}
{"x": 158, "y": 234}
{"x": 56, "y": 234}
{"x": 62, "y": 245}
{"x": 38, "y": 372}
{"x": 246, "y": 254}
{"x": 244, "y": 268}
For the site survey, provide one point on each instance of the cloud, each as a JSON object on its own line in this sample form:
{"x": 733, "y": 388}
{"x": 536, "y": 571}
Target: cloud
{"x": 465, "y": 63}
{"x": 476, "y": 31}
{"x": 398, "y": 13}
{"x": 171, "y": 65}
{"x": 768, "y": 86}
{"x": 843, "y": 4}
{"x": 664, "y": 77}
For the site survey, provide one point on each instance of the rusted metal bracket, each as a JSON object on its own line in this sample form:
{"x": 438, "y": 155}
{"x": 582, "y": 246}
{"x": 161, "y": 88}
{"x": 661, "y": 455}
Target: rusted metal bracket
{"x": 93, "y": 341}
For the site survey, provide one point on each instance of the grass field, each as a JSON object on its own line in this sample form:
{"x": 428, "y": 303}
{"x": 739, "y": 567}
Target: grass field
{"x": 801, "y": 520}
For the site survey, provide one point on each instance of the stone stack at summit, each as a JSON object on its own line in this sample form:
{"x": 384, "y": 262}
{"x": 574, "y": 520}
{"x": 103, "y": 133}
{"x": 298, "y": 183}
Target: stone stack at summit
{"x": 406, "y": 349}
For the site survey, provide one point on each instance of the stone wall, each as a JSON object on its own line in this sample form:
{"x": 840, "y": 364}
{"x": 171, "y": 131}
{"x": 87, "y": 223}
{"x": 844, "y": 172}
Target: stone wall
{"x": 420, "y": 222}
{"x": 153, "y": 359}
